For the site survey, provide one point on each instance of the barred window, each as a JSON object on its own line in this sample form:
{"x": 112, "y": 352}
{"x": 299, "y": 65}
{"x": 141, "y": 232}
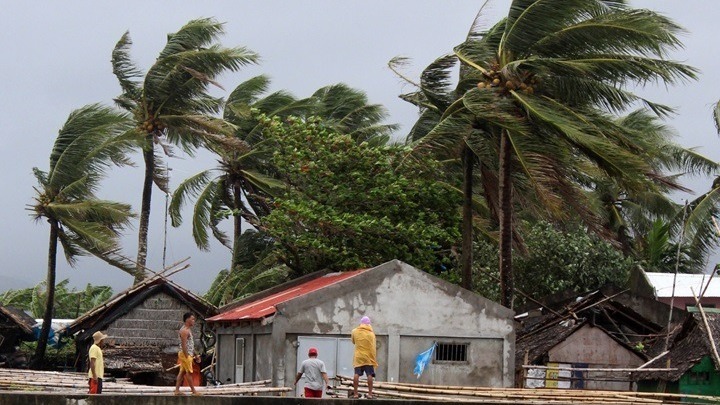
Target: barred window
{"x": 451, "y": 352}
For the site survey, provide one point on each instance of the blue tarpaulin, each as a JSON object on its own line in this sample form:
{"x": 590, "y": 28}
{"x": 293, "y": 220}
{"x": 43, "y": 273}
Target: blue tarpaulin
{"x": 423, "y": 359}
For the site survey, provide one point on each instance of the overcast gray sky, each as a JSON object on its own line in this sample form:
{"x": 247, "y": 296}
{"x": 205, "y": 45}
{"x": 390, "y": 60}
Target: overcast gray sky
{"x": 56, "y": 58}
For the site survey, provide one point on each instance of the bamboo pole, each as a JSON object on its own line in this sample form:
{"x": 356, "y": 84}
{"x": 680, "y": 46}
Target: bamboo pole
{"x": 653, "y": 359}
{"x": 620, "y": 370}
{"x": 707, "y": 329}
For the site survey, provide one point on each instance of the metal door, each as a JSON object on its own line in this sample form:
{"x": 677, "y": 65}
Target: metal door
{"x": 239, "y": 360}
{"x": 345, "y": 353}
{"x": 327, "y": 352}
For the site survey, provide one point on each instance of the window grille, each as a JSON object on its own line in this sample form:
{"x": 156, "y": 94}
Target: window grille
{"x": 451, "y": 352}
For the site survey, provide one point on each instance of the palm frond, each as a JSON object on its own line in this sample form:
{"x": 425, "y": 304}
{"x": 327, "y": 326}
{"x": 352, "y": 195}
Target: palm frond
{"x": 84, "y": 144}
{"x": 264, "y": 183}
{"x": 202, "y": 215}
{"x": 700, "y": 232}
{"x": 188, "y": 189}
{"x": 126, "y": 72}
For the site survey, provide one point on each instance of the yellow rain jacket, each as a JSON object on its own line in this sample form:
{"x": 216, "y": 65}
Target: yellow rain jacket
{"x": 363, "y": 338}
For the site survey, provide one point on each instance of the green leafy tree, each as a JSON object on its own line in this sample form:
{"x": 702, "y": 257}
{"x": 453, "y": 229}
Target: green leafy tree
{"x": 240, "y": 187}
{"x": 353, "y": 205}
{"x": 69, "y": 303}
{"x": 558, "y": 260}
{"x": 89, "y": 142}
{"x": 171, "y": 104}
{"x": 553, "y": 75}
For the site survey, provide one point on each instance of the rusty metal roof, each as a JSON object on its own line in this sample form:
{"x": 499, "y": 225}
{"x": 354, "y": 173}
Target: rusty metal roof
{"x": 266, "y": 306}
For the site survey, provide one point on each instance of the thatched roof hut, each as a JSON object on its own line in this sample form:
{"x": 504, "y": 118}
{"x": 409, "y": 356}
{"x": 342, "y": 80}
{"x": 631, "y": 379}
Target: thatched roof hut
{"x": 689, "y": 345}
{"x": 15, "y": 325}
{"x": 142, "y": 323}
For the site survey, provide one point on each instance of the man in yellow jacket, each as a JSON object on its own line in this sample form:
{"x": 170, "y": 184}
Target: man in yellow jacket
{"x": 365, "y": 357}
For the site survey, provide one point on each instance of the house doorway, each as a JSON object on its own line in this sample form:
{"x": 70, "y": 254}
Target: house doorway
{"x": 336, "y": 353}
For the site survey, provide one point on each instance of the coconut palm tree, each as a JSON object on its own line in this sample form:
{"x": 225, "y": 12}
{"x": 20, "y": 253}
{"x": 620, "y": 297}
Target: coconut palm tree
{"x": 554, "y": 73}
{"x": 238, "y": 186}
{"x": 348, "y": 111}
{"x": 89, "y": 142}
{"x": 171, "y": 104}
{"x": 631, "y": 214}
{"x": 700, "y": 227}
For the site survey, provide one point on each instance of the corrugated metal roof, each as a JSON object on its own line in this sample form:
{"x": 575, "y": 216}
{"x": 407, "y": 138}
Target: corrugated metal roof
{"x": 663, "y": 284}
{"x": 266, "y": 306}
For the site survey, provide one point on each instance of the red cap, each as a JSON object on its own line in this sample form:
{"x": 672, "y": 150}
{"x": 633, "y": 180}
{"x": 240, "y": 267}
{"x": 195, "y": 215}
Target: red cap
{"x": 312, "y": 352}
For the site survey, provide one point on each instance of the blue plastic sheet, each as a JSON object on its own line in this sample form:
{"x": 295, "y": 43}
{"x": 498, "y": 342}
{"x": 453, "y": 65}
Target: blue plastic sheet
{"x": 423, "y": 359}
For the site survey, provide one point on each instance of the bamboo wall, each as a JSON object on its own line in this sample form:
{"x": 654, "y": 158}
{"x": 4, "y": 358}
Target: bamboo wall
{"x": 154, "y": 322}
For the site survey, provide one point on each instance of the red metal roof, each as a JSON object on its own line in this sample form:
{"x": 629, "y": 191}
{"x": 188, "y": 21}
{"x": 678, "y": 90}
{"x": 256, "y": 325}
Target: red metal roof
{"x": 266, "y": 306}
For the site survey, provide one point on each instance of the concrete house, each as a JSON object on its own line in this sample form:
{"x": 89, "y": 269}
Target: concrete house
{"x": 661, "y": 286}
{"x": 142, "y": 323}
{"x": 267, "y": 335}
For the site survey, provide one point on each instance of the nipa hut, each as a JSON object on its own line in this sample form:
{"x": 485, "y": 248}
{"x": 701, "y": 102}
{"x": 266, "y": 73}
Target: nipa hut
{"x": 15, "y": 326}
{"x": 692, "y": 357}
{"x": 142, "y": 323}
{"x": 600, "y": 330}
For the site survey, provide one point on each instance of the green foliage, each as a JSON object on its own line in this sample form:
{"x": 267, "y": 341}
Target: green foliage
{"x": 257, "y": 269}
{"x": 69, "y": 303}
{"x": 61, "y": 358}
{"x": 353, "y": 205}
{"x": 557, "y": 260}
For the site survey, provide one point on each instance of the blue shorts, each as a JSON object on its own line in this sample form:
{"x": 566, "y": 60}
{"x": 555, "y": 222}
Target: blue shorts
{"x": 368, "y": 370}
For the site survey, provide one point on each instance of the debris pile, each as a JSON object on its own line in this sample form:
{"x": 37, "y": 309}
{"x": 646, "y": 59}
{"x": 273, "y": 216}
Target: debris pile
{"x": 77, "y": 383}
{"x": 515, "y": 395}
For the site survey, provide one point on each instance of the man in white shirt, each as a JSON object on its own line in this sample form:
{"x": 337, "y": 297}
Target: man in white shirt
{"x": 315, "y": 373}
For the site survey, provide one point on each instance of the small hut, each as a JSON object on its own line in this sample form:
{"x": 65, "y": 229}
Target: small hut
{"x": 15, "y": 326}
{"x": 599, "y": 330}
{"x": 142, "y": 323}
{"x": 691, "y": 355}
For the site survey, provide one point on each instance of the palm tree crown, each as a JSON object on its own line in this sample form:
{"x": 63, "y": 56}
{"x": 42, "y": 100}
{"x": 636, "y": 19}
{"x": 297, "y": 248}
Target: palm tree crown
{"x": 91, "y": 140}
{"x": 550, "y": 78}
{"x": 171, "y": 103}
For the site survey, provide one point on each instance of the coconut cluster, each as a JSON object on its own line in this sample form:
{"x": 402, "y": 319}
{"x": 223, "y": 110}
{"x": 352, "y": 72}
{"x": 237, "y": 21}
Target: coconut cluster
{"x": 153, "y": 125}
{"x": 495, "y": 79}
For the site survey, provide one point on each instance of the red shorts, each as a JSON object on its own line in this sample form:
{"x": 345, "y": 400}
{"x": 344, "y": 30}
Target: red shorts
{"x": 310, "y": 393}
{"x": 95, "y": 386}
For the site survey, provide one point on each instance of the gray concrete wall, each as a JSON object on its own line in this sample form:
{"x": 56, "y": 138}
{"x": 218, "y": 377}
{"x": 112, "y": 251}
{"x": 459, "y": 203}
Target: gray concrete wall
{"x": 263, "y": 357}
{"x": 483, "y": 368}
{"x": 257, "y": 338}
{"x": 225, "y": 370}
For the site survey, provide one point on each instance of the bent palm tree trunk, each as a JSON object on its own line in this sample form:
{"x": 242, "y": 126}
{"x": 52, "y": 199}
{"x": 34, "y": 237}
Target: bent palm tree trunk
{"x": 49, "y": 304}
{"x": 506, "y": 221}
{"x": 149, "y": 157}
{"x": 237, "y": 229}
{"x": 467, "y": 217}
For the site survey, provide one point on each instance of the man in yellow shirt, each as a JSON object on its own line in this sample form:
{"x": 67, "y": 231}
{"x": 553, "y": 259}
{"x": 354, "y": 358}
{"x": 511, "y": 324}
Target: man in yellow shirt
{"x": 96, "y": 371}
{"x": 365, "y": 357}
